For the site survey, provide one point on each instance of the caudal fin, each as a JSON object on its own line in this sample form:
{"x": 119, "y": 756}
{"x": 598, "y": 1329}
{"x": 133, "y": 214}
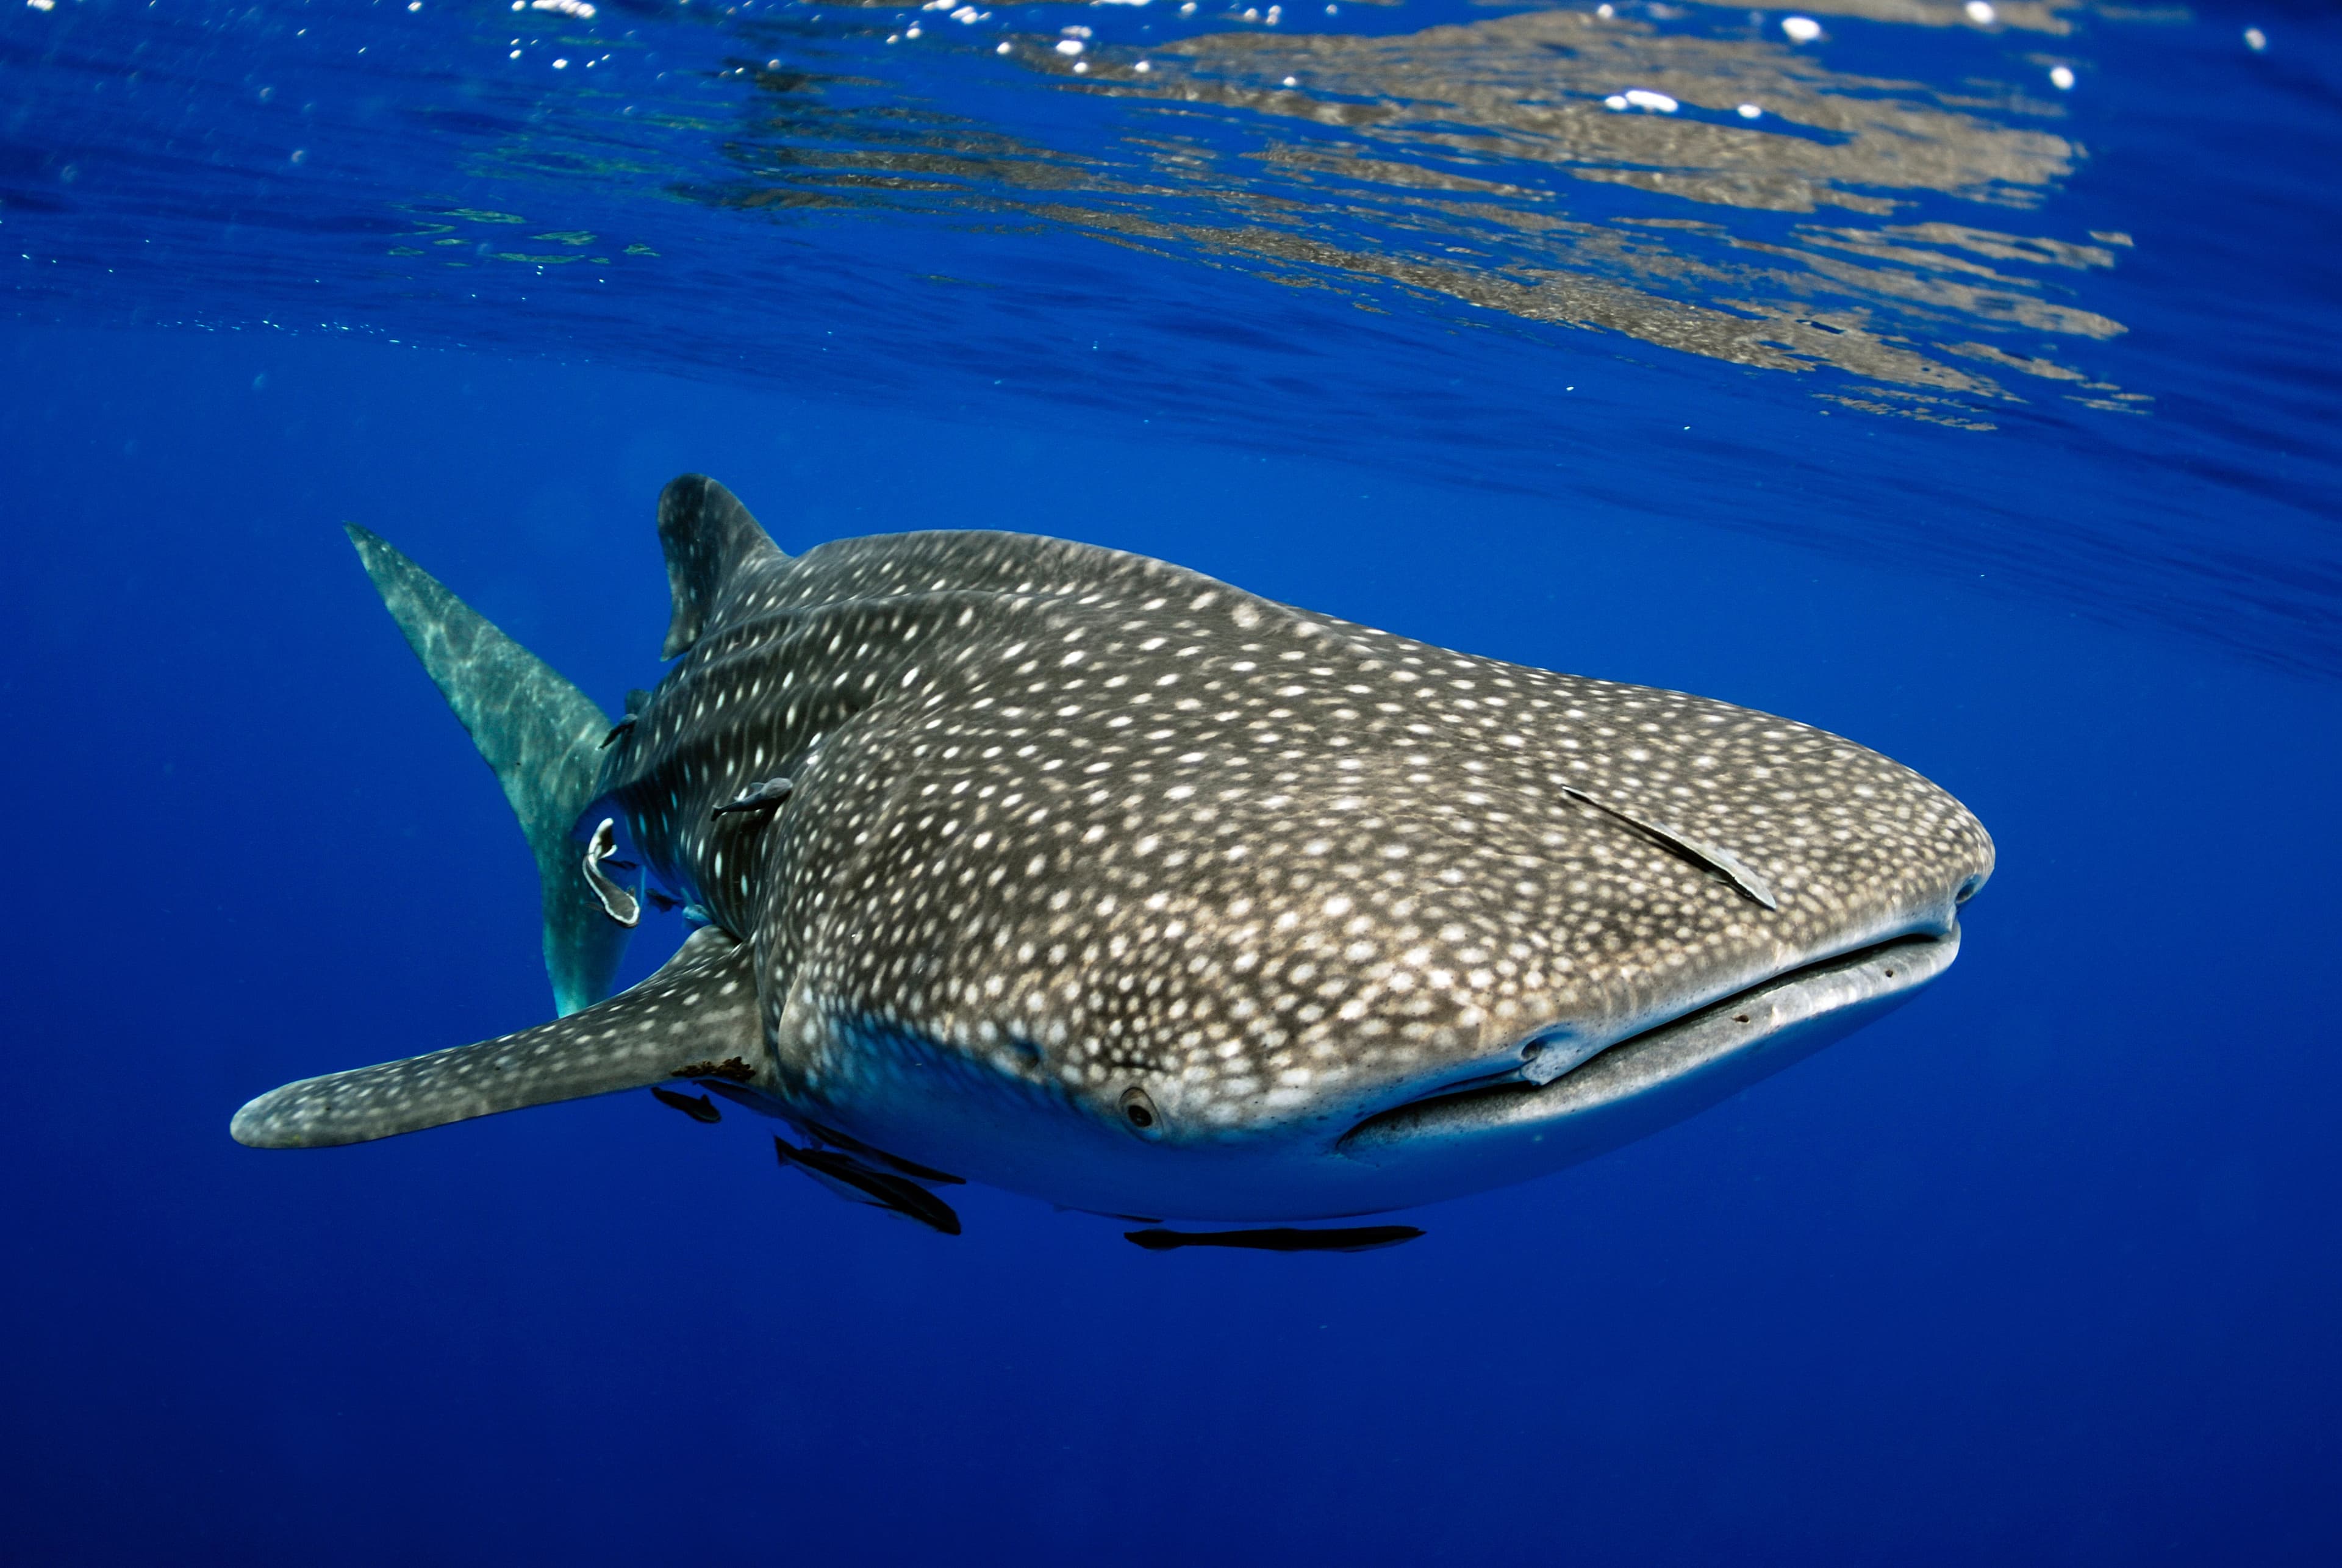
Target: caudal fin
{"x": 542, "y": 737}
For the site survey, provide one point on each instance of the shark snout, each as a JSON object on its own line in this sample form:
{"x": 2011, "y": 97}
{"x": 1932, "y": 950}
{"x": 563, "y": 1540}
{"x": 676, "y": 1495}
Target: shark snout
{"x": 1441, "y": 1000}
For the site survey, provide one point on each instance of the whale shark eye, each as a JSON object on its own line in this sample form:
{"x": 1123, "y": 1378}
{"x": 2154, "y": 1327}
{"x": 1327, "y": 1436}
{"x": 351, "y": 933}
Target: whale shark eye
{"x": 1139, "y": 1110}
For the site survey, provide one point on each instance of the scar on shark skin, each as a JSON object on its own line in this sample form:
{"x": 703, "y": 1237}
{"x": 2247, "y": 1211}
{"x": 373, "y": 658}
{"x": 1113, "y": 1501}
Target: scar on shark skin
{"x": 701, "y": 1109}
{"x": 1707, "y": 856}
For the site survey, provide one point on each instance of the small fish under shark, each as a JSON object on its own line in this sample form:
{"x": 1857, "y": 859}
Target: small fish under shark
{"x": 1091, "y": 878}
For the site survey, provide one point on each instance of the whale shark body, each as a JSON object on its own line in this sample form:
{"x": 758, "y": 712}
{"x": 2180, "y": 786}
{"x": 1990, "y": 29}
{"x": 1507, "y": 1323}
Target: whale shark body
{"x": 1091, "y": 878}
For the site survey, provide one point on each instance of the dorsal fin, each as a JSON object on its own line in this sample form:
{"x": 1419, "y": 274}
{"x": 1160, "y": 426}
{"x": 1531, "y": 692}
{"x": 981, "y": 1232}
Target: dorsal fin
{"x": 708, "y": 536}
{"x": 700, "y": 1008}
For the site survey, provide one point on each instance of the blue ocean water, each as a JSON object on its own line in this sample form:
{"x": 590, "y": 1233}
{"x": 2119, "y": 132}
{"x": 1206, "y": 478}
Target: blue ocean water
{"x": 1960, "y": 380}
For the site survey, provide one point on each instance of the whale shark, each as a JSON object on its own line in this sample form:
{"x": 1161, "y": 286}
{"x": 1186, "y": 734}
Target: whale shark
{"x": 1074, "y": 873}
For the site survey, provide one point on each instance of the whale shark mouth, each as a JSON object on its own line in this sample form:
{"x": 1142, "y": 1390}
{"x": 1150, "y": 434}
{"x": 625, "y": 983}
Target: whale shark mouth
{"x": 1673, "y": 1069}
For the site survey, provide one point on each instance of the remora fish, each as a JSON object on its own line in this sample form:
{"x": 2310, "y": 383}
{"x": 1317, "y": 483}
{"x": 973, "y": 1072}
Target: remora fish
{"x": 1096, "y": 879}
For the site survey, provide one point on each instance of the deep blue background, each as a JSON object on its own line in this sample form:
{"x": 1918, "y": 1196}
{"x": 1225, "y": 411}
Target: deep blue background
{"x": 2041, "y": 1268}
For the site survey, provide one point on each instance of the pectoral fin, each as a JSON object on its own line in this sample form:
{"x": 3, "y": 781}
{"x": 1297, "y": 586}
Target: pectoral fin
{"x": 701, "y": 1008}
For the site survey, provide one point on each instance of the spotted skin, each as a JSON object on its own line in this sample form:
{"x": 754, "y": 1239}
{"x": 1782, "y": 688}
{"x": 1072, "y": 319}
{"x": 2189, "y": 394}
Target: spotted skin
{"x": 1068, "y": 822}
{"x": 1069, "y": 830}
{"x": 701, "y": 1002}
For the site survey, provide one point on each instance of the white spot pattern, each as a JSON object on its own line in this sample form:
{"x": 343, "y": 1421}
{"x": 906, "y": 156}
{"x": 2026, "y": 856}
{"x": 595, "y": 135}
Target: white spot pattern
{"x": 658, "y": 1029}
{"x": 1089, "y": 823}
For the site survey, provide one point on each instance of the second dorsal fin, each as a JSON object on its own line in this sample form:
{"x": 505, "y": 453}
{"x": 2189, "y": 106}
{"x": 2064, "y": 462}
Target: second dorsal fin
{"x": 708, "y": 536}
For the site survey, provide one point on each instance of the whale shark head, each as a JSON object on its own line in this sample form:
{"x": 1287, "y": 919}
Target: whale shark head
{"x": 1093, "y": 877}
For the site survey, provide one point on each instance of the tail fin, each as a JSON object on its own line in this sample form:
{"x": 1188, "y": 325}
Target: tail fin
{"x": 541, "y": 735}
